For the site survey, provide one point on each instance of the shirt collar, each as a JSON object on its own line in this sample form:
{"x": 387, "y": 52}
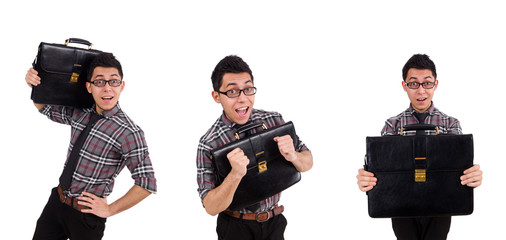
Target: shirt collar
{"x": 411, "y": 110}
{"x": 229, "y": 123}
{"x": 108, "y": 113}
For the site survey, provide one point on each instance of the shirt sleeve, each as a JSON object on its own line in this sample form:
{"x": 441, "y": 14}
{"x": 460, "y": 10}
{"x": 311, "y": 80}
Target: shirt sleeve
{"x": 454, "y": 127}
{"x": 136, "y": 156}
{"x": 59, "y": 114}
{"x": 389, "y": 128}
{"x": 205, "y": 170}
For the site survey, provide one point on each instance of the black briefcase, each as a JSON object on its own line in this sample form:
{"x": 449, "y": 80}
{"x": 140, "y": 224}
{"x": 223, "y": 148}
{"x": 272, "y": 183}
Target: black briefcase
{"x": 63, "y": 72}
{"x": 419, "y": 175}
{"x": 268, "y": 171}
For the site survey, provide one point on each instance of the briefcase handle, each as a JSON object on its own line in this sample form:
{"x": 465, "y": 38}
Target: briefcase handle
{"x": 248, "y": 127}
{"x": 419, "y": 126}
{"x": 78, "y": 41}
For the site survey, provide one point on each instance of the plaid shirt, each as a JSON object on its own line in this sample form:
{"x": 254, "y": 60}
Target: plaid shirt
{"x": 222, "y": 132}
{"x": 445, "y": 123}
{"x": 113, "y": 143}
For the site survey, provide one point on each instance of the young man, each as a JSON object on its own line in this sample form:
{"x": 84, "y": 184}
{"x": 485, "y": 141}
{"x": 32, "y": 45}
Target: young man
{"x": 78, "y": 208}
{"x": 234, "y": 89}
{"x": 420, "y": 82}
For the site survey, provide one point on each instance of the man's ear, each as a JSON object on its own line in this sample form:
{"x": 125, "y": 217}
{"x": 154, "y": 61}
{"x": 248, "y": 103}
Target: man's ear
{"x": 435, "y": 84}
{"x": 404, "y": 86}
{"x": 216, "y": 96}
{"x": 88, "y": 87}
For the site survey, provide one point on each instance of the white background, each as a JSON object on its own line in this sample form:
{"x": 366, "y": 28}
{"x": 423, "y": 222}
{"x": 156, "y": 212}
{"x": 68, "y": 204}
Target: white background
{"x": 333, "y": 68}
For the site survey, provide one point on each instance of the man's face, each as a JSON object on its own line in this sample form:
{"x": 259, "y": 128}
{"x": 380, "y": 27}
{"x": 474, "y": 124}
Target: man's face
{"x": 105, "y": 97}
{"x": 236, "y": 109}
{"x": 420, "y": 98}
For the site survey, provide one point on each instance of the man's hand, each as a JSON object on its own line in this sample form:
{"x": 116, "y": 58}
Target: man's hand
{"x": 286, "y": 148}
{"x": 239, "y": 163}
{"x": 472, "y": 176}
{"x": 303, "y": 161}
{"x": 365, "y": 180}
{"x": 32, "y": 78}
{"x": 97, "y": 205}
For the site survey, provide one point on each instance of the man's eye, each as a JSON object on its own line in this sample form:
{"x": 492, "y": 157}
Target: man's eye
{"x": 99, "y": 82}
{"x": 232, "y": 91}
{"x": 412, "y": 84}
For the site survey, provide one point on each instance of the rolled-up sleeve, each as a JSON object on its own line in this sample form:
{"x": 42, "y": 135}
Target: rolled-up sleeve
{"x": 136, "y": 157}
{"x": 59, "y": 114}
{"x": 205, "y": 170}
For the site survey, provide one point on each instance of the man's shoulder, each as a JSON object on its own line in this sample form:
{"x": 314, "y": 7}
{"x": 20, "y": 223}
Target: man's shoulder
{"x": 443, "y": 115}
{"x": 124, "y": 123}
{"x": 260, "y": 114}
{"x": 398, "y": 117}
{"x": 214, "y": 132}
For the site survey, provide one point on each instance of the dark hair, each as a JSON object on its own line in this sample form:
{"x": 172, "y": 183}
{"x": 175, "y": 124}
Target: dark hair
{"x": 104, "y": 60}
{"x": 419, "y": 61}
{"x": 229, "y": 64}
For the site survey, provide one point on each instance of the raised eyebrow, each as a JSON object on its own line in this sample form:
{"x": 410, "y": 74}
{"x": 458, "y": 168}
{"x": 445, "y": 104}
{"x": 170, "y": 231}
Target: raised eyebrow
{"x": 112, "y": 75}
{"x": 412, "y": 78}
{"x": 235, "y": 84}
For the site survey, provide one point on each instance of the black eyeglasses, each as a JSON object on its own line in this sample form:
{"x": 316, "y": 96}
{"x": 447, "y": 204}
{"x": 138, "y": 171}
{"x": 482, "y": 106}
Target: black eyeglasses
{"x": 416, "y": 85}
{"x": 233, "y": 93}
{"x": 112, "y": 82}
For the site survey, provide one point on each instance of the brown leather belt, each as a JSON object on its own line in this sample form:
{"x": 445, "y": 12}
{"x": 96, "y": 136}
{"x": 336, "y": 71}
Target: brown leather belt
{"x": 69, "y": 200}
{"x": 259, "y": 217}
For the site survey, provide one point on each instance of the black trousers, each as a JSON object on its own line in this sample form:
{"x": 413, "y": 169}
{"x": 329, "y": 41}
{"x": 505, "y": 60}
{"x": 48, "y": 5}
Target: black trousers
{"x": 422, "y": 228}
{"x": 60, "y": 221}
{"x": 234, "y": 228}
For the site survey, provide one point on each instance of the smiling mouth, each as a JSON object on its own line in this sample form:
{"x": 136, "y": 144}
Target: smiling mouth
{"x": 421, "y": 99}
{"x": 242, "y": 111}
{"x": 106, "y": 98}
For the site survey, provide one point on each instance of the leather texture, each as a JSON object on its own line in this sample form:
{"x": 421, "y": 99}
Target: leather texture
{"x": 393, "y": 160}
{"x": 255, "y": 185}
{"x": 56, "y": 65}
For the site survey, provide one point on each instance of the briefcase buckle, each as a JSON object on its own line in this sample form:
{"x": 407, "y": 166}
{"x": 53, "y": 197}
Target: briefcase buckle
{"x": 262, "y": 166}
{"x": 420, "y": 175}
{"x": 74, "y": 77}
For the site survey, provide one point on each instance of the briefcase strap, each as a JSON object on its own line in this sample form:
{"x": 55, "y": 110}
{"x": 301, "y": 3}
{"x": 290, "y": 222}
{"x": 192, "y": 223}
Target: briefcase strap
{"x": 249, "y": 126}
{"x": 78, "y": 41}
{"x": 411, "y": 127}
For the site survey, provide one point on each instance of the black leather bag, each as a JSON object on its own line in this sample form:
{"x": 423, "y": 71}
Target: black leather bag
{"x": 63, "y": 72}
{"x": 419, "y": 175}
{"x": 268, "y": 171}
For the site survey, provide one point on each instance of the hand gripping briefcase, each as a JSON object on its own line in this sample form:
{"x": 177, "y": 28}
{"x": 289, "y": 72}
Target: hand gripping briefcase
{"x": 268, "y": 172}
{"x": 63, "y": 72}
{"x": 419, "y": 175}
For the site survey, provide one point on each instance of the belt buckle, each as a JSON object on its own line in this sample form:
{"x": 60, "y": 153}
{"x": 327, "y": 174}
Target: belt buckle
{"x": 264, "y": 220}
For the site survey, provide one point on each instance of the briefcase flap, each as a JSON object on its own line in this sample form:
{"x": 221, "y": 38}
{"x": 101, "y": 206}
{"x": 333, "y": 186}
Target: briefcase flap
{"x": 397, "y": 153}
{"x": 257, "y": 147}
{"x": 60, "y": 59}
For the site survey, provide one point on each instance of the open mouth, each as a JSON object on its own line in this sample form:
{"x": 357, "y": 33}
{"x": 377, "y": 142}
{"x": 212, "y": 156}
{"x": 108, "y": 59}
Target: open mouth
{"x": 242, "y": 111}
{"x": 421, "y": 99}
{"x": 107, "y": 98}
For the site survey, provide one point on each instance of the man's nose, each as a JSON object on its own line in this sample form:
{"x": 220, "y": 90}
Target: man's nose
{"x": 242, "y": 96}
